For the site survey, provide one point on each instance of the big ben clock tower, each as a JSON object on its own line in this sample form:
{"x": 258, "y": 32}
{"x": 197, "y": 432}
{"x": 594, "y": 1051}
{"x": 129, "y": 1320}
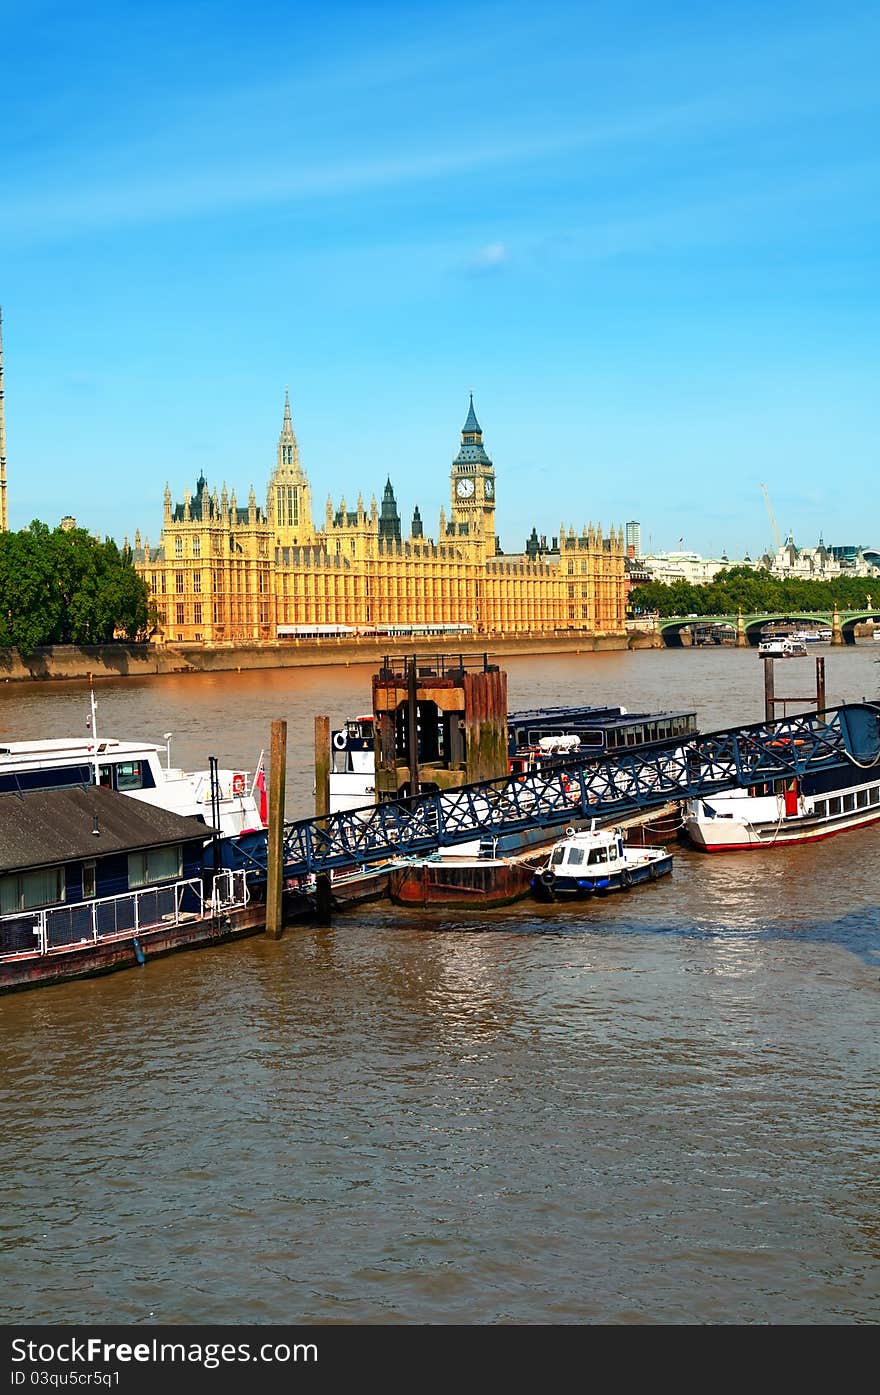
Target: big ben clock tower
{"x": 473, "y": 488}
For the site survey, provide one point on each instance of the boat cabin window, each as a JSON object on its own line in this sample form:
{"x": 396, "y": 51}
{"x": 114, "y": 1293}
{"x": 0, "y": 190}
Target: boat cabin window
{"x": 820, "y": 808}
{"x": 153, "y": 865}
{"x": 598, "y": 855}
{"x": 862, "y": 799}
{"x": 612, "y": 853}
{"x": 129, "y": 775}
{"x": 88, "y": 880}
{"x": 575, "y": 856}
{"x": 593, "y": 737}
{"x": 28, "y": 890}
{"x": 874, "y": 794}
{"x": 558, "y": 856}
{"x": 834, "y": 805}
{"x": 849, "y": 803}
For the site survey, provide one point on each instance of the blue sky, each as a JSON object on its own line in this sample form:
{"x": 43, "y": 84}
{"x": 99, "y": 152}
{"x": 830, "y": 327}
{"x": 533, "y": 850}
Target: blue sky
{"x": 646, "y": 235}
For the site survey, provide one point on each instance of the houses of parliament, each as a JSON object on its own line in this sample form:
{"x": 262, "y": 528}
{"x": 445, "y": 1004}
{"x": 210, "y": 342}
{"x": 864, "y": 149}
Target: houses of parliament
{"x": 227, "y": 572}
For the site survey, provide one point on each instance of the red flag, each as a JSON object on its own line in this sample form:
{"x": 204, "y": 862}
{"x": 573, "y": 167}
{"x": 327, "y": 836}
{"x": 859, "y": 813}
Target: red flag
{"x": 260, "y": 787}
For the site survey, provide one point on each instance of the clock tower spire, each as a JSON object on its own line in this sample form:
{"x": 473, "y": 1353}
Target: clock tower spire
{"x": 473, "y": 488}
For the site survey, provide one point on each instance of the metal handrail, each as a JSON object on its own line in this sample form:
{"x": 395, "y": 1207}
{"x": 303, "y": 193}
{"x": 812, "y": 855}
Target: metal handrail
{"x": 139, "y": 910}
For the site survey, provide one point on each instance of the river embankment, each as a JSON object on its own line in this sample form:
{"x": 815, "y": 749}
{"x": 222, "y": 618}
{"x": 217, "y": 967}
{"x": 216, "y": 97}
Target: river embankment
{"x": 147, "y": 660}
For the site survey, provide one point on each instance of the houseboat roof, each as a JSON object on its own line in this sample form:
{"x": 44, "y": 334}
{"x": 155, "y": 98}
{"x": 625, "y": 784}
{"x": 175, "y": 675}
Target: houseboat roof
{"x": 590, "y": 716}
{"x": 40, "y": 828}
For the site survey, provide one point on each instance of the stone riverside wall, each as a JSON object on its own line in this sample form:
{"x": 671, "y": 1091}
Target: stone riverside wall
{"x": 143, "y": 660}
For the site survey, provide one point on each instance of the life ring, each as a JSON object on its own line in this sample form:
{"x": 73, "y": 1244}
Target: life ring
{"x": 626, "y": 879}
{"x": 548, "y": 876}
{"x": 340, "y": 740}
{"x": 238, "y": 783}
{"x": 570, "y": 831}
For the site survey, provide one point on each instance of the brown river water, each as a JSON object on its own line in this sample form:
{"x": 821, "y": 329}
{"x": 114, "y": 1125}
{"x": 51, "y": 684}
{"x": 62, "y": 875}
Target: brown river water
{"x": 660, "y": 1108}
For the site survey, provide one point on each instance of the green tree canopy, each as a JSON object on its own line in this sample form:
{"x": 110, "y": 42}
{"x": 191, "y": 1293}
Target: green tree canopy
{"x": 65, "y": 587}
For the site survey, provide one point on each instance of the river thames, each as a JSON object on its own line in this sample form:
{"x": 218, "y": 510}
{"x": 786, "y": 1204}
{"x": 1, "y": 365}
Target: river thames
{"x": 660, "y": 1108}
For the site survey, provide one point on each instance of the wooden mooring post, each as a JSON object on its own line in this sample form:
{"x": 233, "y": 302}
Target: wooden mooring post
{"x": 275, "y": 833}
{"x": 322, "y": 766}
{"x": 771, "y": 701}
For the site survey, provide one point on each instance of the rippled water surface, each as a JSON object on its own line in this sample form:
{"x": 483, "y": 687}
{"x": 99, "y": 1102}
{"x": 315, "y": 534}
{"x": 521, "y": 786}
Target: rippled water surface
{"x": 653, "y": 1108}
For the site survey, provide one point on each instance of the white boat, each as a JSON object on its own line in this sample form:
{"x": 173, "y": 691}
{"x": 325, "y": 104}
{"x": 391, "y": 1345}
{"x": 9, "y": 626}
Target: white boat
{"x": 135, "y": 768}
{"x": 596, "y": 861}
{"x": 352, "y": 765}
{"x": 789, "y": 647}
{"x": 784, "y": 811}
{"x": 820, "y": 636}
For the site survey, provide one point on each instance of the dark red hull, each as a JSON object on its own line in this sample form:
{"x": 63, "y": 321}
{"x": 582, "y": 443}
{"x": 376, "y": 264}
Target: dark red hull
{"x": 459, "y": 886}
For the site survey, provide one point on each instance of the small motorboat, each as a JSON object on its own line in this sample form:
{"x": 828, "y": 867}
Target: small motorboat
{"x": 782, "y": 647}
{"x": 596, "y": 861}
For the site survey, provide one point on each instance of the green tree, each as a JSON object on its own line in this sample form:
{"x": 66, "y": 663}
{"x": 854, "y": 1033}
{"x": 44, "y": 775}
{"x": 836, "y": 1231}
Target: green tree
{"x": 66, "y": 587}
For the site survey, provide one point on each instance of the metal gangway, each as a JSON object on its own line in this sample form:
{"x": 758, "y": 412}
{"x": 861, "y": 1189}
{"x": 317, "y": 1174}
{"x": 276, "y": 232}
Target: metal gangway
{"x": 605, "y": 787}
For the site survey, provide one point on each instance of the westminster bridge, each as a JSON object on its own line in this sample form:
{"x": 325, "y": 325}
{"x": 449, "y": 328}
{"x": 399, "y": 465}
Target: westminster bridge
{"x": 749, "y": 628}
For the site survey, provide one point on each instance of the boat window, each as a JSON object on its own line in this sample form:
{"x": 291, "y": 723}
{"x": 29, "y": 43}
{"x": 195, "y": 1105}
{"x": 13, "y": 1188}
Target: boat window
{"x": 874, "y": 793}
{"x": 612, "y": 853}
{"x": 28, "y": 890}
{"x": 862, "y": 799}
{"x": 558, "y": 856}
{"x": 106, "y": 780}
{"x": 129, "y": 775}
{"x": 598, "y": 855}
{"x": 88, "y": 880}
{"x": 576, "y": 856}
{"x": 849, "y": 803}
{"x": 153, "y": 865}
{"x": 820, "y": 808}
{"x": 834, "y": 806}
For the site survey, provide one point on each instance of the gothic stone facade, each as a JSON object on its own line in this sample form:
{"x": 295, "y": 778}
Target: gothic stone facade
{"x": 224, "y": 573}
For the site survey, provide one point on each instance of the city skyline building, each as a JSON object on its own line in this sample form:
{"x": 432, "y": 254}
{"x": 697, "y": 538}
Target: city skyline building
{"x": 633, "y": 539}
{"x": 224, "y": 572}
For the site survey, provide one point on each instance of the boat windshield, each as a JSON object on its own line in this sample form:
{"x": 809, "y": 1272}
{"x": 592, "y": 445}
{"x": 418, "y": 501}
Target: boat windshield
{"x": 558, "y": 856}
{"x": 599, "y": 855}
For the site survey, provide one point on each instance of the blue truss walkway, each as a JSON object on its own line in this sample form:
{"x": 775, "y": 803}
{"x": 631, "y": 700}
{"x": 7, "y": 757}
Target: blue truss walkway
{"x": 603, "y": 787}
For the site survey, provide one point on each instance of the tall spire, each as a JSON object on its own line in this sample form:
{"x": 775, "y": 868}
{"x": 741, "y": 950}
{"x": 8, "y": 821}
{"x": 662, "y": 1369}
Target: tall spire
{"x": 4, "y": 508}
{"x": 472, "y": 426}
{"x": 472, "y": 450}
{"x": 288, "y": 449}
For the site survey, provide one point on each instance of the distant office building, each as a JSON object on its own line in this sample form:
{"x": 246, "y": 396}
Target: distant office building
{"x": 633, "y": 539}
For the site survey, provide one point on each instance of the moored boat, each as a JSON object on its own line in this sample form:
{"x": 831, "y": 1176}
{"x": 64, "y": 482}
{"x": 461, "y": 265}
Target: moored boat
{"x": 225, "y": 799}
{"x": 782, "y": 812}
{"x": 596, "y": 861}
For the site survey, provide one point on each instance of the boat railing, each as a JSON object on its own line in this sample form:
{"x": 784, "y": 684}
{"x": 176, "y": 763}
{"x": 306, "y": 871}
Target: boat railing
{"x": 106, "y": 917}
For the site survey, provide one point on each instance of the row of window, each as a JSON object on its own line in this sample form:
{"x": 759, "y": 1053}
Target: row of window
{"x": 30, "y": 891}
{"x": 846, "y": 803}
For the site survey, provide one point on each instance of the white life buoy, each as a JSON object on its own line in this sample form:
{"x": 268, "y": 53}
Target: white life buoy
{"x": 238, "y": 783}
{"x": 340, "y": 740}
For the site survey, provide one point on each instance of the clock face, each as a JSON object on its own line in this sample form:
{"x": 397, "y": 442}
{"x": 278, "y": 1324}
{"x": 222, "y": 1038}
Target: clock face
{"x": 489, "y": 488}
{"x": 464, "y": 488}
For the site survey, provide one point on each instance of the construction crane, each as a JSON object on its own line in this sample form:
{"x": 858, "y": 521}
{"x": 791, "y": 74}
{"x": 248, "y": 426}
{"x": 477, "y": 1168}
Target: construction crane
{"x": 776, "y": 536}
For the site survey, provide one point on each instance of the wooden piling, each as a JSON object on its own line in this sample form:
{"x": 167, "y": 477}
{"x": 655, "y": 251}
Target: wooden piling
{"x": 820, "y": 684}
{"x": 322, "y": 766}
{"x": 412, "y": 726}
{"x": 275, "y": 833}
{"x": 769, "y": 690}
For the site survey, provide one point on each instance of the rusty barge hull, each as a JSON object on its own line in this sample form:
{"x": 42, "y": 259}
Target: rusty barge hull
{"x": 121, "y": 952}
{"x": 473, "y": 885}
